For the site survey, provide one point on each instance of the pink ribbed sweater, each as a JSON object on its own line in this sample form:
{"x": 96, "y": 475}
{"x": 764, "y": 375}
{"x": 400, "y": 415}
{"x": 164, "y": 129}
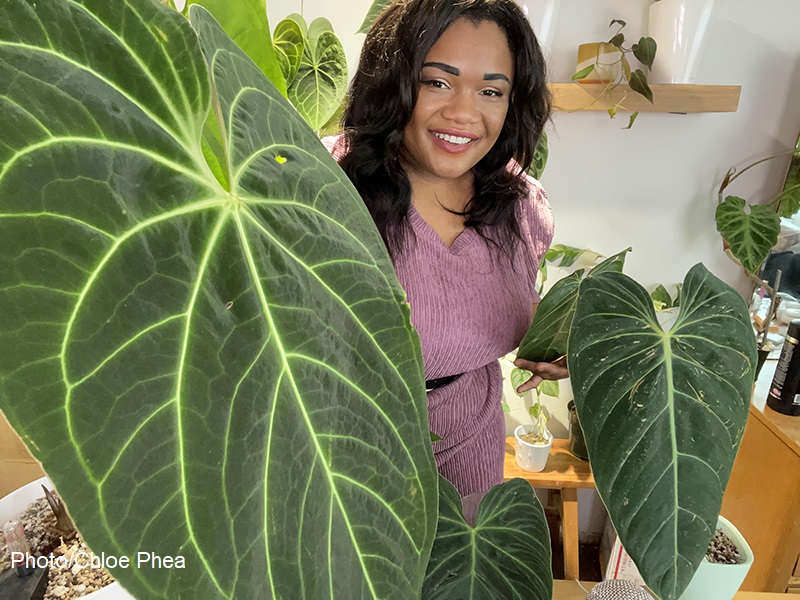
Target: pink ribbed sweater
{"x": 469, "y": 310}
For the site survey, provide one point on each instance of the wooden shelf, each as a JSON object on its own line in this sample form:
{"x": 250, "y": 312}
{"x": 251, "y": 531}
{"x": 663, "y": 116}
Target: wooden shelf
{"x": 668, "y": 98}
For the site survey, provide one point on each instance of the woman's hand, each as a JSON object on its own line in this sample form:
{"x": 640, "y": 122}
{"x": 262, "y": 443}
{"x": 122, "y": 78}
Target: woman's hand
{"x": 541, "y": 371}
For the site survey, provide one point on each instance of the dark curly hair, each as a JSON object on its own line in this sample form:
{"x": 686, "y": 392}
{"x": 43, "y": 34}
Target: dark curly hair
{"x": 382, "y": 98}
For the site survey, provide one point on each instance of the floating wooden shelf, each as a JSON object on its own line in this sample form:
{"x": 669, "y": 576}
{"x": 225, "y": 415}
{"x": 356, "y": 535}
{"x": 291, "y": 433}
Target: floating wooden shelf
{"x": 668, "y": 98}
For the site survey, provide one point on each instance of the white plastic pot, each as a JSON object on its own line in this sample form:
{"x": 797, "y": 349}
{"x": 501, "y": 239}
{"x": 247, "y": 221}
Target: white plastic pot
{"x": 531, "y": 457}
{"x": 12, "y": 505}
{"x": 679, "y": 29}
{"x": 714, "y": 581}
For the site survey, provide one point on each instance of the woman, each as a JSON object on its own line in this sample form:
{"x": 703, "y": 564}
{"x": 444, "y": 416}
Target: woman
{"x": 445, "y": 110}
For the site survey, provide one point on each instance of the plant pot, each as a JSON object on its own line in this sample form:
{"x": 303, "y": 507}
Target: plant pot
{"x": 531, "y": 457}
{"x": 577, "y": 443}
{"x": 714, "y": 581}
{"x": 678, "y": 27}
{"x": 607, "y": 61}
{"x": 17, "y": 501}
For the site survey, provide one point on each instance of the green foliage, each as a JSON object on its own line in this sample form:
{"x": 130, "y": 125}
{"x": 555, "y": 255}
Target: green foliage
{"x": 751, "y": 235}
{"x": 645, "y": 51}
{"x": 663, "y": 413}
{"x": 289, "y": 40}
{"x": 540, "y": 154}
{"x": 377, "y": 7}
{"x": 549, "y": 388}
{"x": 505, "y": 555}
{"x": 227, "y": 375}
{"x": 638, "y": 83}
{"x": 548, "y": 335}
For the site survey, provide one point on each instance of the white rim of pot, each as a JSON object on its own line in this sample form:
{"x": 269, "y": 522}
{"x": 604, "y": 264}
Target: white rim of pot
{"x": 524, "y": 429}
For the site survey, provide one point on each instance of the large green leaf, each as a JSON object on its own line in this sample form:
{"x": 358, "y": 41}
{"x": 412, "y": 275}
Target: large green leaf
{"x": 751, "y": 235}
{"x": 245, "y": 21}
{"x": 663, "y": 413}
{"x": 375, "y": 9}
{"x": 227, "y": 376}
{"x": 505, "y": 556}
{"x": 548, "y": 335}
{"x": 321, "y": 80}
{"x": 289, "y": 42}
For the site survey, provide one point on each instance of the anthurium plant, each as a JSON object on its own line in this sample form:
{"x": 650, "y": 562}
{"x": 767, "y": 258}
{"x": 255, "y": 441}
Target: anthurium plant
{"x": 209, "y": 353}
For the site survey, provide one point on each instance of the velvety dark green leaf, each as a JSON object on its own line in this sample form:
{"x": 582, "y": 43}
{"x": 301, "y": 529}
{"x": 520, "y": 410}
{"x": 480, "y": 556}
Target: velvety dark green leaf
{"x": 638, "y": 83}
{"x": 289, "y": 43}
{"x": 661, "y": 295}
{"x": 245, "y": 21}
{"x": 751, "y": 235}
{"x": 377, "y": 7}
{"x": 645, "y": 51}
{"x": 662, "y": 413}
{"x": 505, "y": 556}
{"x": 583, "y": 73}
{"x": 226, "y": 375}
{"x": 321, "y": 80}
{"x": 540, "y": 154}
{"x": 548, "y": 335}
{"x": 617, "y": 40}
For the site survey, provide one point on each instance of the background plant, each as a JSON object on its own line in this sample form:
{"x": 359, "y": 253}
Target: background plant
{"x": 644, "y": 51}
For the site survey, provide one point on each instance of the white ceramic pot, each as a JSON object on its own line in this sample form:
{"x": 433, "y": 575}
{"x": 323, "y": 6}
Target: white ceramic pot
{"x": 542, "y": 15}
{"x": 679, "y": 28}
{"x": 17, "y": 501}
{"x": 714, "y": 581}
{"x": 531, "y": 457}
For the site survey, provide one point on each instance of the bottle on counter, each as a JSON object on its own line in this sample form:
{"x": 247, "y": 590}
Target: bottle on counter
{"x": 784, "y": 393}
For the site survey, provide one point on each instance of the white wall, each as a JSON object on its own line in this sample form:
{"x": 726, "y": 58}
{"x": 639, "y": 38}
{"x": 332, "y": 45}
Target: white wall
{"x": 653, "y": 187}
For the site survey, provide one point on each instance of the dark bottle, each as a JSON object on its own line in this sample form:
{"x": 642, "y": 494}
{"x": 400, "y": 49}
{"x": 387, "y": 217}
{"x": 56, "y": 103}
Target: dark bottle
{"x": 784, "y": 393}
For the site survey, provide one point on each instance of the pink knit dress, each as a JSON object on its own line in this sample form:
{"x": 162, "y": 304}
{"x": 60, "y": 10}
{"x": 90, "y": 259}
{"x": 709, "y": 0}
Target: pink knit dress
{"x": 470, "y": 308}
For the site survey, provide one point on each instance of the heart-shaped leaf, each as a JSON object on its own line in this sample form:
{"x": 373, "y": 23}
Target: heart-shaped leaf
{"x": 289, "y": 43}
{"x": 230, "y": 376}
{"x": 638, "y": 83}
{"x": 548, "y": 335}
{"x": 506, "y": 555}
{"x": 751, "y": 235}
{"x": 377, "y": 7}
{"x": 662, "y": 413}
{"x": 321, "y": 80}
{"x": 645, "y": 51}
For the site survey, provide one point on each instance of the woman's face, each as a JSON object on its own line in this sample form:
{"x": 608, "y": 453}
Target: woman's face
{"x": 463, "y": 99}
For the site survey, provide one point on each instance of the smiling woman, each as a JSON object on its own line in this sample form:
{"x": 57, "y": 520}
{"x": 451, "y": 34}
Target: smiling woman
{"x": 445, "y": 110}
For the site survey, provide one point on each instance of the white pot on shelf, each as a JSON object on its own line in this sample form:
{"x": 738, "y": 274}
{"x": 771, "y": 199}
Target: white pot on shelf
{"x": 713, "y": 581}
{"x": 679, "y": 28}
{"x": 542, "y": 15}
{"x": 531, "y": 457}
{"x": 12, "y": 505}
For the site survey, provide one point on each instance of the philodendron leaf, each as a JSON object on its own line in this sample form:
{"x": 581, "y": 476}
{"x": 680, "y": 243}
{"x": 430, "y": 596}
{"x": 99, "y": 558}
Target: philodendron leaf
{"x": 505, "y": 555}
{"x": 549, "y": 388}
{"x": 321, "y": 80}
{"x": 548, "y": 335}
{"x": 227, "y": 376}
{"x": 289, "y": 43}
{"x": 638, "y": 83}
{"x": 632, "y": 119}
{"x": 518, "y": 377}
{"x": 645, "y": 51}
{"x": 662, "y": 413}
{"x": 377, "y": 7}
{"x": 245, "y": 21}
{"x": 751, "y": 235}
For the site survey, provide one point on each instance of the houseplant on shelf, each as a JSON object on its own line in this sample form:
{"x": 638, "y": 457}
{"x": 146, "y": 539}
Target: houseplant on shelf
{"x": 222, "y": 368}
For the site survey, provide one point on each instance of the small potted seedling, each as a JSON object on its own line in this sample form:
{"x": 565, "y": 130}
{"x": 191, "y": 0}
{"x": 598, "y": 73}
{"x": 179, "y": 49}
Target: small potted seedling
{"x": 533, "y": 441}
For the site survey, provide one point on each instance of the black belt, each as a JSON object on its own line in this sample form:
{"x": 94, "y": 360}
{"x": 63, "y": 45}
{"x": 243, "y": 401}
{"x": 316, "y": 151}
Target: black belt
{"x": 434, "y": 384}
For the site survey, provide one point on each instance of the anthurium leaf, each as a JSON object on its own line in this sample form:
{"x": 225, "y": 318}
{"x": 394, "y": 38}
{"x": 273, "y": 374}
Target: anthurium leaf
{"x": 505, "y": 555}
{"x": 227, "y": 376}
{"x": 549, "y": 388}
{"x": 289, "y": 43}
{"x": 245, "y": 21}
{"x": 645, "y": 51}
{"x": 548, "y": 335}
{"x": 638, "y": 83}
{"x": 375, "y": 9}
{"x": 321, "y": 81}
{"x": 661, "y": 295}
{"x": 751, "y": 235}
{"x": 662, "y": 413}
